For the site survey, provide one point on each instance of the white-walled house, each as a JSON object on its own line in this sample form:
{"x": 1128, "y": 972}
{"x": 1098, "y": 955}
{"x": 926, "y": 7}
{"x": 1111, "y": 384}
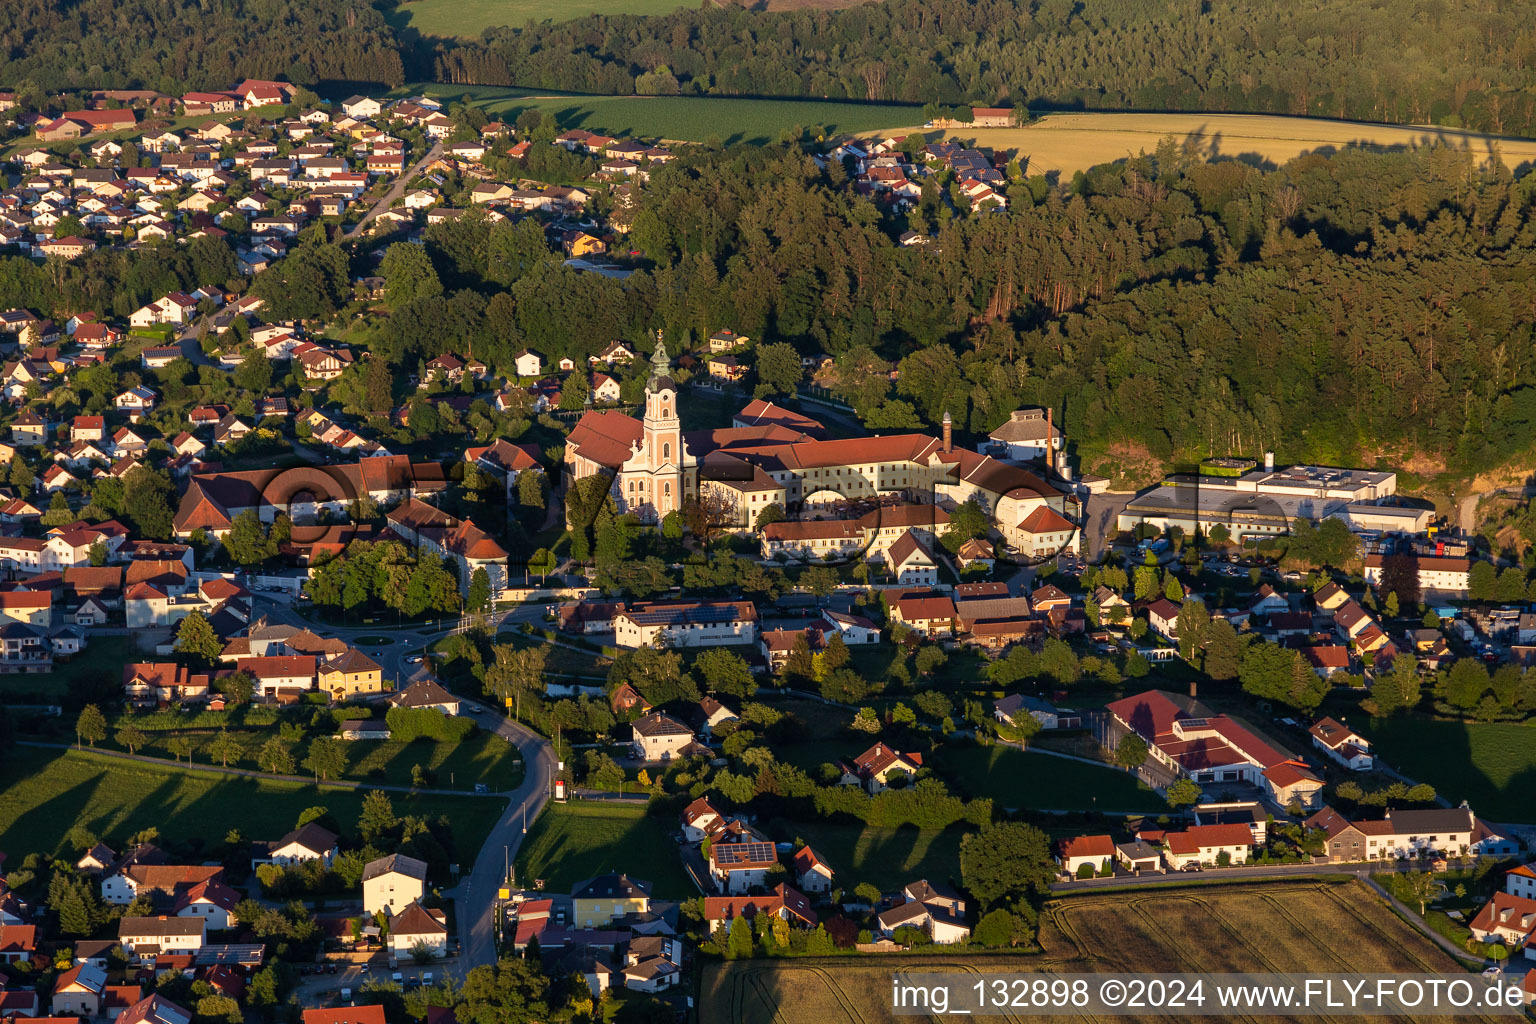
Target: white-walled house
{"x": 393, "y": 883}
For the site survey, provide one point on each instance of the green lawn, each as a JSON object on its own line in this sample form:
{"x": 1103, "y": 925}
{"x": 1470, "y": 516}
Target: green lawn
{"x": 572, "y": 842}
{"x": 683, "y": 118}
{"x": 1031, "y": 780}
{"x": 483, "y": 757}
{"x": 885, "y": 857}
{"x": 42, "y": 797}
{"x": 1492, "y": 767}
{"x": 468, "y": 18}
{"x": 83, "y": 676}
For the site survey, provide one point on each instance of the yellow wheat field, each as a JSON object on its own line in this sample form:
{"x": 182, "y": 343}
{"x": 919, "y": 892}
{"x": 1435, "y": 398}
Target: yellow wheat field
{"x": 1303, "y": 926}
{"x": 1068, "y": 143}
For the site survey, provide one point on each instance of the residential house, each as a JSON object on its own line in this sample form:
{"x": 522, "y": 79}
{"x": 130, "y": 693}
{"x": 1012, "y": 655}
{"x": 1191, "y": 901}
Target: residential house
{"x": 1207, "y": 845}
{"x": 685, "y": 624}
{"x": 306, "y": 843}
{"x": 812, "y": 873}
{"x": 426, "y": 693}
{"x": 154, "y": 1009}
{"x": 659, "y": 737}
{"x": 148, "y": 937}
{"x": 1342, "y": 744}
{"x": 394, "y": 882}
{"x": 416, "y": 928}
{"x": 1096, "y": 853}
{"x": 1401, "y": 834}
{"x": 18, "y": 943}
{"x": 349, "y": 675}
{"x": 876, "y": 768}
{"x": 737, "y": 867}
{"x": 1509, "y": 920}
{"x": 78, "y": 992}
{"x": 933, "y": 908}
{"x": 600, "y": 901}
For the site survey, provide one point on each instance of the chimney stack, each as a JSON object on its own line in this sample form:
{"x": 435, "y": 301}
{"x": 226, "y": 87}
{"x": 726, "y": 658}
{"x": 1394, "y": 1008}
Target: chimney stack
{"x": 948, "y": 434}
{"x": 1192, "y": 693}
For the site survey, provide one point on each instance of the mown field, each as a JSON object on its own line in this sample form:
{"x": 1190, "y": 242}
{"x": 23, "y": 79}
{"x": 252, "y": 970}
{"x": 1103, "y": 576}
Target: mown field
{"x": 482, "y": 758}
{"x": 1311, "y": 926}
{"x": 887, "y": 858}
{"x": 682, "y": 118}
{"x": 572, "y": 842}
{"x": 1022, "y": 779}
{"x": 1073, "y": 142}
{"x": 1492, "y": 767}
{"x": 42, "y": 796}
{"x": 466, "y": 19}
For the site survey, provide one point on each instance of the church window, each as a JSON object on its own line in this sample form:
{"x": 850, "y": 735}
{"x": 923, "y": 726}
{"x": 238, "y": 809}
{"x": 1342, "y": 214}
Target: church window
{"x": 666, "y": 451}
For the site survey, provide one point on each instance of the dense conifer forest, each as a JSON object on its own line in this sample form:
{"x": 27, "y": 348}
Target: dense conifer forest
{"x": 1466, "y": 62}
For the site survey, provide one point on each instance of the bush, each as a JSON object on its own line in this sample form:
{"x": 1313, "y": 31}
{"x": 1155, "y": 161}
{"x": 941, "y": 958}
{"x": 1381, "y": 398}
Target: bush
{"x": 1085, "y": 871}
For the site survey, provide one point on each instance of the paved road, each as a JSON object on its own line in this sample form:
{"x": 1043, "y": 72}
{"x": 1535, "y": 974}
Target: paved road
{"x": 396, "y": 191}
{"x": 475, "y": 895}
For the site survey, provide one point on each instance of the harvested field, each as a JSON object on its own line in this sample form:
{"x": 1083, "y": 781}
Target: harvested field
{"x": 1302, "y": 926}
{"x": 1068, "y": 143}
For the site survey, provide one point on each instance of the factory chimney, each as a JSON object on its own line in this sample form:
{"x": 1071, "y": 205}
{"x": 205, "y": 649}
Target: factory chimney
{"x": 948, "y": 434}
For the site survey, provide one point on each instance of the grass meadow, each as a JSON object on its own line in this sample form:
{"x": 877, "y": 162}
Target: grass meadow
{"x": 1492, "y": 767}
{"x": 1025, "y": 779}
{"x": 682, "y": 118}
{"x": 572, "y": 842}
{"x": 41, "y": 798}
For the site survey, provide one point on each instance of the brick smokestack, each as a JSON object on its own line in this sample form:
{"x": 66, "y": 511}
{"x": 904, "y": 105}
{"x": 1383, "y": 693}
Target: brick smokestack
{"x": 1050, "y": 438}
{"x": 948, "y": 433}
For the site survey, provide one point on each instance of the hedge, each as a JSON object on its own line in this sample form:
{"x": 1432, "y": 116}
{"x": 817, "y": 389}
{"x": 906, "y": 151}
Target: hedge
{"x": 426, "y": 723}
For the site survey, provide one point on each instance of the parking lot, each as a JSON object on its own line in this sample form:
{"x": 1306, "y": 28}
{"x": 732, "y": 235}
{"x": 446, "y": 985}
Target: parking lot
{"x": 323, "y": 988}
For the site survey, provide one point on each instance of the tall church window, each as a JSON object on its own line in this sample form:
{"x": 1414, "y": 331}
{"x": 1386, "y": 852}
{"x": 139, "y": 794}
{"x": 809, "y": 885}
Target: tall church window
{"x": 666, "y": 451}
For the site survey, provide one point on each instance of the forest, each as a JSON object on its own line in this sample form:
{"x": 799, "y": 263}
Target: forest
{"x": 179, "y": 45}
{"x": 1470, "y": 63}
{"x": 1453, "y": 62}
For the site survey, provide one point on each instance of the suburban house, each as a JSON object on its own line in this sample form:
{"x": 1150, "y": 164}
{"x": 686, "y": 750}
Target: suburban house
{"x": 18, "y": 943}
{"x": 720, "y": 911}
{"x": 700, "y": 819}
{"x": 78, "y": 991}
{"x": 154, "y": 1009}
{"x": 1342, "y": 744}
{"x": 935, "y": 909}
{"x": 659, "y": 737}
{"x": 812, "y": 873}
{"x": 308, "y": 842}
{"x": 1452, "y": 831}
{"x": 426, "y": 693}
{"x": 392, "y": 883}
{"x": 1094, "y": 852}
{"x": 1510, "y": 920}
{"x": 1205, "y": 844}
{"x": 877, "y": 767}
{"x": 148, "y": 937}
{"x": 416, "y": 928}
{"x": 1521, "y": 881}
{"x": 739, "y": 867}
{"x": 1009, "y": 709}
{"x": 602, "y": 900}
{"x": 136, "y": 879}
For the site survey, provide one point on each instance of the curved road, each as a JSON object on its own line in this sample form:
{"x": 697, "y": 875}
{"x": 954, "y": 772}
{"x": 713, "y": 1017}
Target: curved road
{"x": 475, "y": 895}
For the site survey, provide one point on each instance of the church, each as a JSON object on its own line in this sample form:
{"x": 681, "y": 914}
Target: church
{"x": 774, "y": 456}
